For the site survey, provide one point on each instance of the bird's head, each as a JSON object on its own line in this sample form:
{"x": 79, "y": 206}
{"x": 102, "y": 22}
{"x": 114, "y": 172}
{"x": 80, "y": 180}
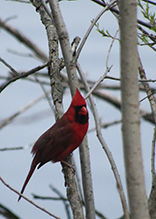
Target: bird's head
{"x": 79, "y": 105}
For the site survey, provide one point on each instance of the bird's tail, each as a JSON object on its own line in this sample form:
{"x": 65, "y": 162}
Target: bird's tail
{"x": 32, "y": 168}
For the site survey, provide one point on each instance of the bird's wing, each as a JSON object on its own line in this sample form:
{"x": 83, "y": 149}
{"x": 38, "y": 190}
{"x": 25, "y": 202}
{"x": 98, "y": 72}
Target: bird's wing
{"x": 53, "y": 142}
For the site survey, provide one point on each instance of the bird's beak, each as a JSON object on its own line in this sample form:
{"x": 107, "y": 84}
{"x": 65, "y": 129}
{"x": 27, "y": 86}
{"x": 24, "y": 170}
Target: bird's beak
{"x": 83, "y": 111}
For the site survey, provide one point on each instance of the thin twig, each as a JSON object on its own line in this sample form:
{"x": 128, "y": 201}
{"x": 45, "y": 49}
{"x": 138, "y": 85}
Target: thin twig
{"x": 97, "y": 82}
{"x": 15, "y": 73}
{"x": 21, "y": 54}
{"x": 90, "y": 29}
{"x": 104, "y": 145}
{"x": 65, "y": 200}
{"x": 78, "y": 180}
{"x": 11, "y": 149}
{"x": 6, "y": 212}
{"x": 150, "y": 95}
{"x": 141, "y": 80}
{"x": 145, "y": 33}
{"x": 22, "y": 75}
{"x": 20, "y": 1}
{"x": 9, "y": 119}
{"x": 48, "y": 198}
{"x": 150, "y": 2}
{"x": 18, "y": 35}
{"x": 28, "y": 200}
{"x": 111, "y": 48}
{"x": 45, "y": 92}
{"x": 106, "y": 125}
{"x": 117, "y": 12}
{"x": 116, "y": 102}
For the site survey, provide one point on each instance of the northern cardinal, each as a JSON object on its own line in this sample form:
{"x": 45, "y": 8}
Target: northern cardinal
{"x": 62, "y": 138}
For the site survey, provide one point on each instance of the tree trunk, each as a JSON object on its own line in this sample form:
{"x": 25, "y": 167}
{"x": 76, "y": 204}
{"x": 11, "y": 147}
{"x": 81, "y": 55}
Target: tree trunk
{"x": 130, "y": 111}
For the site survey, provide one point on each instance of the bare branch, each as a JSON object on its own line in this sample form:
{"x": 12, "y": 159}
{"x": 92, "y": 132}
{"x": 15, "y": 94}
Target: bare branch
{"x": 107, "y": 7}
{"x": 104, "y": 145}
{"x": 151, "y": 37}
{"x": 117, "y": 12}
{"x": 46, "y": 94}
{"x": 73, "y": 82}
{"x": 150, "y": 95}
{"x": 11, "y": 118}
{"x": 22, "y": 75}
{"x": 65, "y": 200}
{"x": 150, "y": 2}
{"x": 7, "y": 213}
{"x": 117, "y": 103}
{"x": 24, "y": 40}
{"x": 54, "y": 73}
{"x": 11, "y": 149}
{"x": 111, "y": 48}
{"x": 65, "y": 45}
{"x": 106, "y": 125}
{"x": 151, "y": 200}
{"x": 97, "y": 82}
{"x": 9, "y": 66}
{"x": 28, "y": 200}
{"x": 21, "y": 1}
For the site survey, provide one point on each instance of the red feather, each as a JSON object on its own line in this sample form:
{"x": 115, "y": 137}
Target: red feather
{"x": 62, "y": 138}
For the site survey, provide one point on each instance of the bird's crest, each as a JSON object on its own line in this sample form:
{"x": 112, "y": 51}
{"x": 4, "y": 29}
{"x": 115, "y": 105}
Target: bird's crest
{"x": 78, "y": 99}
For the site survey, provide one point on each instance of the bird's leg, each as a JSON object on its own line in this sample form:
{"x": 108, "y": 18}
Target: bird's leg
{"x": 67, "y": 164}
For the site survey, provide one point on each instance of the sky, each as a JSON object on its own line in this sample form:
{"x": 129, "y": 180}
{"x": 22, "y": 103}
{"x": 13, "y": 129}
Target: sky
{"x": 14, "y": 165}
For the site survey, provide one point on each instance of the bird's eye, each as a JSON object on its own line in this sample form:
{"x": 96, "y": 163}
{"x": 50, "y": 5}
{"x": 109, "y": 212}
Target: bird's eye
{"x": 83, "y": 111}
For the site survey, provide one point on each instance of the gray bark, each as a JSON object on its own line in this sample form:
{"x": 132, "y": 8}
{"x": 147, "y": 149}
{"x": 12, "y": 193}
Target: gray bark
{"x": 130, "y": 111}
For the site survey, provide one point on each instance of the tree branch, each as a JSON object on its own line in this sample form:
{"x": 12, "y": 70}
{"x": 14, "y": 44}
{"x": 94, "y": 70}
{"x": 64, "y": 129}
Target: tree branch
{"x": 104, "y": 145}
{"x": 28, "y": 200}
{"x": 23, "y": 109}
{"x": 22, "y": 75}
{"x": 73, "y": 82}
{"x": 150, "y": 95}
{"x": 24, "y": 40}
{"x": 107, "y": 7}
{"x": 117, "y": 12}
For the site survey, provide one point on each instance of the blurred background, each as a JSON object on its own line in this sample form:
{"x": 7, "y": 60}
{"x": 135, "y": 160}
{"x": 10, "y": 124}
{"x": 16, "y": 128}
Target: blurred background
{"x": 24, "y": 130}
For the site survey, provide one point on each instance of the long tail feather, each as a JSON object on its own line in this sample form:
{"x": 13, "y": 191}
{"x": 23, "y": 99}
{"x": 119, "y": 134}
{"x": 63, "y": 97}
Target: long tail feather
{"x": 33, "y": 166}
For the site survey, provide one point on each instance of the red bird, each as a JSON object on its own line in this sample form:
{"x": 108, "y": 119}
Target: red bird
{"x": 62, "y": 138}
